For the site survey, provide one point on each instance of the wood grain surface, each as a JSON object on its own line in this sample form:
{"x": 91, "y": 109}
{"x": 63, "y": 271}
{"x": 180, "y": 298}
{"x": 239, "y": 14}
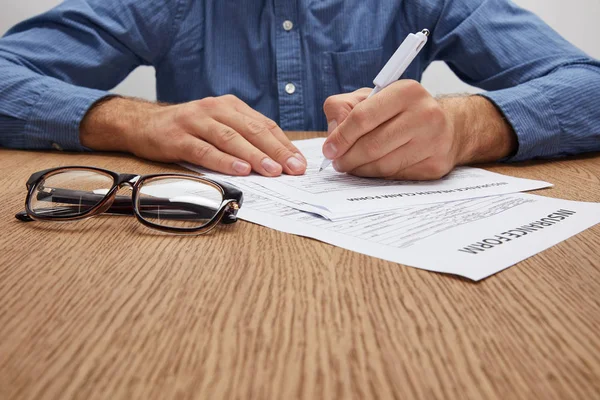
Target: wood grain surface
{"x": 108, "y": 309}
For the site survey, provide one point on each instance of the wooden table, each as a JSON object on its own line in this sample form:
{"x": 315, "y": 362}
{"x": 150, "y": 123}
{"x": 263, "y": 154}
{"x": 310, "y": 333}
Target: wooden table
{"x": 106, "y": 308}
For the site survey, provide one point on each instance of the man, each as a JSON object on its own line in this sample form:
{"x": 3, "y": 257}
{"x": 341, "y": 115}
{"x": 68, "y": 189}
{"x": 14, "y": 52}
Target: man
{"x": 226, "y": 70}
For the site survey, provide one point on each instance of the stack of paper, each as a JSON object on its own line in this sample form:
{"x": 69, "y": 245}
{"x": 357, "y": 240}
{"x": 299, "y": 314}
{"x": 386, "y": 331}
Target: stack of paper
{"x": 472, "y": 223}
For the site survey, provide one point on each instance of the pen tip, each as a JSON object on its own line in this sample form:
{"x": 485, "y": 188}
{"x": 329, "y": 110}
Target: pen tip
{"x": 320, "y": 169}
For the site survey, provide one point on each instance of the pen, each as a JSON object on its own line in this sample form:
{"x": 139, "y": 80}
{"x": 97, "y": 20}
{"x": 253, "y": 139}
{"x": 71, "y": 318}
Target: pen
{"x": 395, "y": 67}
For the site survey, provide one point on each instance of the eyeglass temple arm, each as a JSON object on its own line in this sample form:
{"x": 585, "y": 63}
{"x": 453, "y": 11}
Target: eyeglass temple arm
{"x": 123, "y": 205}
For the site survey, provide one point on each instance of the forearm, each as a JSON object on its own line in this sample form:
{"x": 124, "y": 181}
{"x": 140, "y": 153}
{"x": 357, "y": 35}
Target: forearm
{"x": 55, "y": 66}
{"x": 482, "y": 133}
{"x": 547, "y": 90}
{"x": 111, "y": 124}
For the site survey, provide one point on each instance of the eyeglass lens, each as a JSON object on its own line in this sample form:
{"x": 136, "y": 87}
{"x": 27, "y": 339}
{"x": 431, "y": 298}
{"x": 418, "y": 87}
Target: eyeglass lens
{"x": 178, "y": 202}
{"x": 70, "y": 193}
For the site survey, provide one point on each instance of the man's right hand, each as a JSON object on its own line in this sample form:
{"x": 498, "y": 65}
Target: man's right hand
{"x": 220, "y": 133}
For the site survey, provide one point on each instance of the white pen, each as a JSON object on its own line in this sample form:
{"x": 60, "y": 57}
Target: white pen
{"x": 395, "y": 67}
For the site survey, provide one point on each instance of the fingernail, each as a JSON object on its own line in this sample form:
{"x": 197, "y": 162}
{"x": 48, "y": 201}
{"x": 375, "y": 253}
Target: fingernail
{"x": 270, "y": 166}
{"x": 295, "y": 165}
{"x": 329, "y": 151}
{"x": 241, "y": 167}
{"x": 331, "y": 125}
{"x": 300, "y": 157}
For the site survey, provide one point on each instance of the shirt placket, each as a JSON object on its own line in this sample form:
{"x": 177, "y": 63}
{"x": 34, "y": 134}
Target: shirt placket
{"x": 289, "y": 65}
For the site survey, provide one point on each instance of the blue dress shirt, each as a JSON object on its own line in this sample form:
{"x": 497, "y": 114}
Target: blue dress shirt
{"x": 285, "y": 57}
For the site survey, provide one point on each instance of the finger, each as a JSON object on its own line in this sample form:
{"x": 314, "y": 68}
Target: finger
{"x": 258, "y": 135}
{"x": 370, "y": 113}
{"x": 198, "y": 152}
{"x": 391, "y": 165}
{"x": 230, "y": 141}
{"x": 338, "y": 107}
{"x": 271, "y": 125}
{"x": 283, "y": 138}
{"x": 378, "y": 143}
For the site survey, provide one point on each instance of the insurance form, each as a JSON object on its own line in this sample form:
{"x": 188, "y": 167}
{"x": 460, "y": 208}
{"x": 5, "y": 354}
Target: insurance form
{"x": 335, "y": 195}
{"x": 474, "y": 238}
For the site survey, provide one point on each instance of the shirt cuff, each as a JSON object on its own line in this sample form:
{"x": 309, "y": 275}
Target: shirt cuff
{"x": 532, "y": 118}
{"x": 56, "y": 116}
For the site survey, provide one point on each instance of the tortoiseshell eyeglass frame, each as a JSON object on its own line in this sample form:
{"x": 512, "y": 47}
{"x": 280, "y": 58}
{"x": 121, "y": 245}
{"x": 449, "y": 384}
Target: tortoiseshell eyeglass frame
{"x": 110, "y": 203}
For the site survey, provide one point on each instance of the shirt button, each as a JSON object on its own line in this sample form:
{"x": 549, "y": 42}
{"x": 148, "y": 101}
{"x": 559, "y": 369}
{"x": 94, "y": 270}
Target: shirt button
{"x": 288, "y": 25}
{"x": 57, "y": 146}
{"x": 290, "y": 88}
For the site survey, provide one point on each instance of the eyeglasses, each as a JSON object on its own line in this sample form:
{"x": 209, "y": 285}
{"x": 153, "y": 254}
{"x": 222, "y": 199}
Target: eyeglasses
{"x": 175, "y": 203}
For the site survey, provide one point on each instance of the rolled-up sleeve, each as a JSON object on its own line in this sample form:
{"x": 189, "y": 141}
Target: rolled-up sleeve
{"x": 54, "y": 67}
{"x": 553, "y": 116}
{"x": 48, "y": 114}
{"x": 546, "y": 88}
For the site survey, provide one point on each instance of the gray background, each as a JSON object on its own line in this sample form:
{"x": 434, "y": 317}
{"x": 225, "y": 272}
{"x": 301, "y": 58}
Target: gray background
{"x": 576, "y": 20}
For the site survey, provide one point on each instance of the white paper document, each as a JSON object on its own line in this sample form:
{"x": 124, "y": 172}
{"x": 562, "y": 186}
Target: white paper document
{"x": 337, "y": 195}
{"x": 474, "y": 238}
{"x": 471, "y": 223}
